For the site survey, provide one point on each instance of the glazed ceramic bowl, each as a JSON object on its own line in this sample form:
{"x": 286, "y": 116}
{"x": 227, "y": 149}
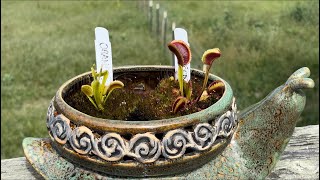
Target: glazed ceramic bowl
{"x": 140, "y": 148}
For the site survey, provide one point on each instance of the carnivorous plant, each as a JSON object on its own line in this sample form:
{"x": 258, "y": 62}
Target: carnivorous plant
{"x": 98, "y": 92}
{"x": 183, "y": 54}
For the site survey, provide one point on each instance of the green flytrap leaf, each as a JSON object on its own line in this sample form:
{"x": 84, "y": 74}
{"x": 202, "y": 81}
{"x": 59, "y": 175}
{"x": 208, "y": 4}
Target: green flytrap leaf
{"x": 97, "y": 94}
{"x": 102, "y": 86}
{"x": 93, "y": 72}
{"x": 100, "y": 91}
{"x": 113, "y": 85}
{"x": 87, "y": 90}
{"x": 187, "y": 88}
{"x": 180, "y": 79}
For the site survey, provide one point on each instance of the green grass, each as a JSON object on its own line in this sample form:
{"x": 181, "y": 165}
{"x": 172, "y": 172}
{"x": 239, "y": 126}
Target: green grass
{"x": 43, "y": 44}
{"x": 262, "y": 44}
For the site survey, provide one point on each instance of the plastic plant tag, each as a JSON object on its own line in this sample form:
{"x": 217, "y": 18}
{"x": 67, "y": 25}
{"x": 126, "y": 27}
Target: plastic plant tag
{"x": 103, "y": 53}
{"x": 181, "y": 34}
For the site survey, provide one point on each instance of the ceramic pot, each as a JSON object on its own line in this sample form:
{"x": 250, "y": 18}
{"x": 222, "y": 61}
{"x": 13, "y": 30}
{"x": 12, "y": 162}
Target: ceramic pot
{"x": 141, "y": 148}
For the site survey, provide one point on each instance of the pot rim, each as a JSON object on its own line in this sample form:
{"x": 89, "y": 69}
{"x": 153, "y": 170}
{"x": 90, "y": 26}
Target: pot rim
{"x": 158, "y": 126}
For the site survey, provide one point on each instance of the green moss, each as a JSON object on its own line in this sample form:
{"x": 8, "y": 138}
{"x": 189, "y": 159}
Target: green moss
{"x": 141, "y": 100}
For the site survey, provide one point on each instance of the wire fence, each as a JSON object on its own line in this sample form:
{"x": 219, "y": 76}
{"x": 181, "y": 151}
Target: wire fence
{"x": 162, "y": 27}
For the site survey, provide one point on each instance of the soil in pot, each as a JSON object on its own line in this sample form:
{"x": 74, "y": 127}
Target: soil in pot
{"x": 145, "y": 96}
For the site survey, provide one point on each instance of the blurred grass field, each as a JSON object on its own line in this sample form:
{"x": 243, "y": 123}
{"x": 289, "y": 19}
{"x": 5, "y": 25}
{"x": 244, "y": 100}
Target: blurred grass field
{"x": 43, "y": 44}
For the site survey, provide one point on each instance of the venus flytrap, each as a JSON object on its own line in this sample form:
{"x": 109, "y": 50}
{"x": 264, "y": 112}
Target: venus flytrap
{"x": 183, "y": 54}
{"x": 88, "y": 91}
{"x": 112, "y": 86}
{"x": 99, "y": 91}
{"x": 207, "y": 58}
{"x": 179, "y": 103}
{"x": 216, "y": 87}
{"x": 181, "y": 34}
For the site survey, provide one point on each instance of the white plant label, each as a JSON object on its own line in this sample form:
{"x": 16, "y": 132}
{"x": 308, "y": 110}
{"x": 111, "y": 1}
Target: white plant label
{"x": 103, "y": 53}
{"x": 181, "y": 34}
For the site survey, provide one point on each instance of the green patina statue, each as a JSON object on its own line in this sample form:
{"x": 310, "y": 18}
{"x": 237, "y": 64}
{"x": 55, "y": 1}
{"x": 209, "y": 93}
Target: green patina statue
{"x": 215, "y": 143}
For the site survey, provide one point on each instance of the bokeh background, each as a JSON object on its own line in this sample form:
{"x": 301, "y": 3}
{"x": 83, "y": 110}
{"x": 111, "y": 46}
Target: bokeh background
{"x": 45, "y": 43}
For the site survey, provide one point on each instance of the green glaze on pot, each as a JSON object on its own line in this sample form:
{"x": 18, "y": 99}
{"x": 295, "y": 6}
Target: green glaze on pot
{"x": 255, "y": 145}
{"x": 141, "y": 148}
{"x": 124, "y": 127}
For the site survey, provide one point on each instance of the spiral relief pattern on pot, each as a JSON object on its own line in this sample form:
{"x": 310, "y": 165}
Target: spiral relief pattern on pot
{"x": 146, "y": 148}
{"x": 225, "y": 125}
{"x": 60, "y": 128}
{"x": 110, "y": 147}
{"x": 234, "y": 113}
{"x": 50, "y": 115}
{"x": 81, "y": 140}
{"x": 204, "y": 136}
{"x": 227, "y": 121}
{"x": 175, "y": 143}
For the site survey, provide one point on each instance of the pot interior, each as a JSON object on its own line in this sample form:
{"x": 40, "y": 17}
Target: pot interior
{"x": 147, "y": 95}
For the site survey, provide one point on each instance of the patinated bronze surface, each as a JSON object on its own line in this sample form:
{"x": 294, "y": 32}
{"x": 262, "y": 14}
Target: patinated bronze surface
{"x": 214, "y": 143}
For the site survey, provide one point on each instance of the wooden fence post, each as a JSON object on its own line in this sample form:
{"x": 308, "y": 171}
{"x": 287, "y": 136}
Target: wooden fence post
{"x": 145, "y": 6}
{"x": 158, "y": 19}
{"x": 164, "y": 29}
{"x": 150, "y": 17}
{"x": 141, "y": 5}
{"x": 173, "y": 26}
